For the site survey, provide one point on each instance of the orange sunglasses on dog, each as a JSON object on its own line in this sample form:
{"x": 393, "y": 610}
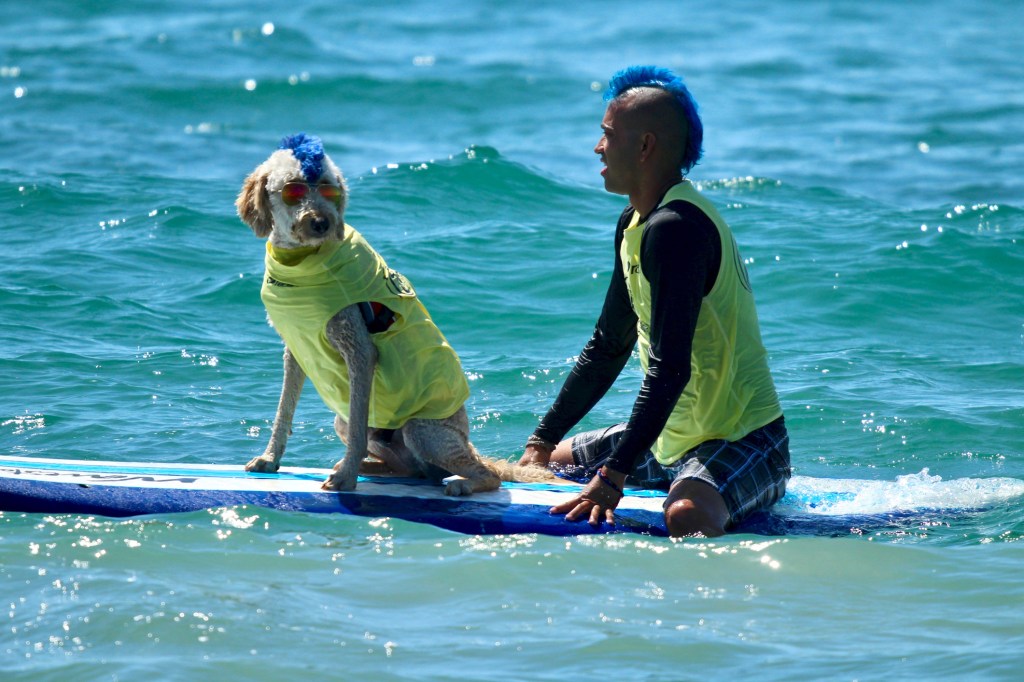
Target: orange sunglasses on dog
{"x": 294, "y": 192}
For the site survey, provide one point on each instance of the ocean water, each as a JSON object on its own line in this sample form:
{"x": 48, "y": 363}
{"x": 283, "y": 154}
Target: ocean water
{"x": 868, "y": 156}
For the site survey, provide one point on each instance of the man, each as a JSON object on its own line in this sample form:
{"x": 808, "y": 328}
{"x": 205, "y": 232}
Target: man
{"x": 707, "y": 424}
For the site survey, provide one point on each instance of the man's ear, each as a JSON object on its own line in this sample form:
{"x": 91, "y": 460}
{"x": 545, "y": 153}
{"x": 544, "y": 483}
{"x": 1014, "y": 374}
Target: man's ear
{"x": 648, "y": 143}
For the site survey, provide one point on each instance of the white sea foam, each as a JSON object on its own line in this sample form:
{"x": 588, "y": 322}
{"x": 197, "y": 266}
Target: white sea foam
{"x": 920, "y": 491}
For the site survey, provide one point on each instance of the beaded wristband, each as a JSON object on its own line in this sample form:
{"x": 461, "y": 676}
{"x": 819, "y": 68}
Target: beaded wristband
{"x": 537, "y": 440}
{"x": 609, "y": 482}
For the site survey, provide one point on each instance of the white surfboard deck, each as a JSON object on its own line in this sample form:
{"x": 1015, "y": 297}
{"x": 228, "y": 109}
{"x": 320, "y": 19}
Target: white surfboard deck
{"x": 118, "y": 489}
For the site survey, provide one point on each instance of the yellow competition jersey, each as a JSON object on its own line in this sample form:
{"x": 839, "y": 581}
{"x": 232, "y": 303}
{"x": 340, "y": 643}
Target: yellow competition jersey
{"x": 730, "y": 392}
{"x": 418, "y": 375}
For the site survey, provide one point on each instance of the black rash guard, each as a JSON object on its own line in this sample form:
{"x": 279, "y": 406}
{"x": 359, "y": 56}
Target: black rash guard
{"x": 680, "y": 255}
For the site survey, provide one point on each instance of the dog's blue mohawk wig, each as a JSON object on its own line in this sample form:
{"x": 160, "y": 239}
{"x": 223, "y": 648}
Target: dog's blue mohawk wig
{"x": 658, "y": 77}
{"x": 309, "y": 151}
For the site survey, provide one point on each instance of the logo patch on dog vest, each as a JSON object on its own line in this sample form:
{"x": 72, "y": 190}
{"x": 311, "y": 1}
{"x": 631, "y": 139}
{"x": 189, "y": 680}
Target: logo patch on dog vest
{"x": 398, "y": 284}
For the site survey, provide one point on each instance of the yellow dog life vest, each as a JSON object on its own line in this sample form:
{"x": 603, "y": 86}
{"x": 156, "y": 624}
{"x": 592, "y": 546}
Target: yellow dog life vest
{"x": 730, "y": 392}
{"x": 417, "y": 375}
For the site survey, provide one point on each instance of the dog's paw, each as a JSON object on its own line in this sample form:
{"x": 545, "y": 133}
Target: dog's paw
{"x": 262, "y": 464}
{"x": 458, "y": 487}
{"x": 338, "y": 483}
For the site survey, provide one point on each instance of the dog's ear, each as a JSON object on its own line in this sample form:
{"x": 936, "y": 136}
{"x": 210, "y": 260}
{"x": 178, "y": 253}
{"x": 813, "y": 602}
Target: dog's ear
{"x": 253, "y": 203}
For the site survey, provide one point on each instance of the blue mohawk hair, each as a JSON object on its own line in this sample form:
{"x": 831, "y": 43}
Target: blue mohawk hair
{"x": 309, "y": 151}
{"x": 658, "y": 77}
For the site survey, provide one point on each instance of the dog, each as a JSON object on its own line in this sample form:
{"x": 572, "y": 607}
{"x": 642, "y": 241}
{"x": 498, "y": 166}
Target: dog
{"x": 358, "y": 330}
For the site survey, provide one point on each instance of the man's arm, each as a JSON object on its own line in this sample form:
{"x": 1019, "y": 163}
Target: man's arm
{"x": 602, "y": 358}
{"x": 596, "y": 369}
{"x": 680, "y": 255}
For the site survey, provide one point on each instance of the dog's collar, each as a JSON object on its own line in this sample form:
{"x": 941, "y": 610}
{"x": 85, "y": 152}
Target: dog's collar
{"x": 291, "y": 256}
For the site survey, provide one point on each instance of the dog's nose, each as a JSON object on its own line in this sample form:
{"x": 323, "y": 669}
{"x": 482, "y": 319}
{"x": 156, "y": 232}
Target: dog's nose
{"x": 320, "y": 226}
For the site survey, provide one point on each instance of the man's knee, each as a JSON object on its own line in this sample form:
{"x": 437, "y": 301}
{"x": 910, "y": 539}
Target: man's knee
{"x": 562, "y": 454}
{"x": 696, "y": 509}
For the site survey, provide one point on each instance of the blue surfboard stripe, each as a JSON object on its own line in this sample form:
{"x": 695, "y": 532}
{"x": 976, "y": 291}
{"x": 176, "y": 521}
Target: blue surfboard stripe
{"x": 133, "y": 488}
{"x": 465, "y": 515}
{"x": 183, "y": 470}
{"x": 186, "y": 471}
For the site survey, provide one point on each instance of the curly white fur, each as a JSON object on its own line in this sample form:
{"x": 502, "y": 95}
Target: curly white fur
{"x": 443, "y": 443}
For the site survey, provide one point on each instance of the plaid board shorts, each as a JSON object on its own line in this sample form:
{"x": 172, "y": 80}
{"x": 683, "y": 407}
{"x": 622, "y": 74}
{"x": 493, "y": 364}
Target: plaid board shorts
{"x": 749, "y": 473}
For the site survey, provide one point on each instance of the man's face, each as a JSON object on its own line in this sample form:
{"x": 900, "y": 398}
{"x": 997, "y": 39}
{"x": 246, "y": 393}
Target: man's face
{"x": 619, "y": 149}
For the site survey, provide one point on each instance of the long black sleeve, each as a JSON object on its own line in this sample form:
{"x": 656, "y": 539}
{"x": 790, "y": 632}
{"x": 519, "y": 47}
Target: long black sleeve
{"x": 603, "y": 357}
{"x": 680, "y": 255}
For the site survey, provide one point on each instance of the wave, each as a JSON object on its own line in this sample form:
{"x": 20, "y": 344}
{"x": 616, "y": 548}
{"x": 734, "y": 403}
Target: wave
{"x": 914, "y": 505}
{"x": 911, "y": 492}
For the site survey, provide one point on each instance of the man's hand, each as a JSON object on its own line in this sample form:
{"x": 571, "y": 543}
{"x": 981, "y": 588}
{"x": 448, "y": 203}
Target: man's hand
{"x": 599, "y": 498}
{"x": 537, "y": 453}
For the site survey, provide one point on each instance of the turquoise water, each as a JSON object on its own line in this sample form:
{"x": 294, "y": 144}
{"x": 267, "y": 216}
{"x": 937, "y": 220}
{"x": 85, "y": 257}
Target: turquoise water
{"x": 868, "y": 156}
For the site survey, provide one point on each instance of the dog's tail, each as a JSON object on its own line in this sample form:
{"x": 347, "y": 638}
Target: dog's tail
{"x": 519, "y": 473}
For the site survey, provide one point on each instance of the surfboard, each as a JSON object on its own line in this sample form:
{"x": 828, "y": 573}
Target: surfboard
{"x": 121, "y": 489}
